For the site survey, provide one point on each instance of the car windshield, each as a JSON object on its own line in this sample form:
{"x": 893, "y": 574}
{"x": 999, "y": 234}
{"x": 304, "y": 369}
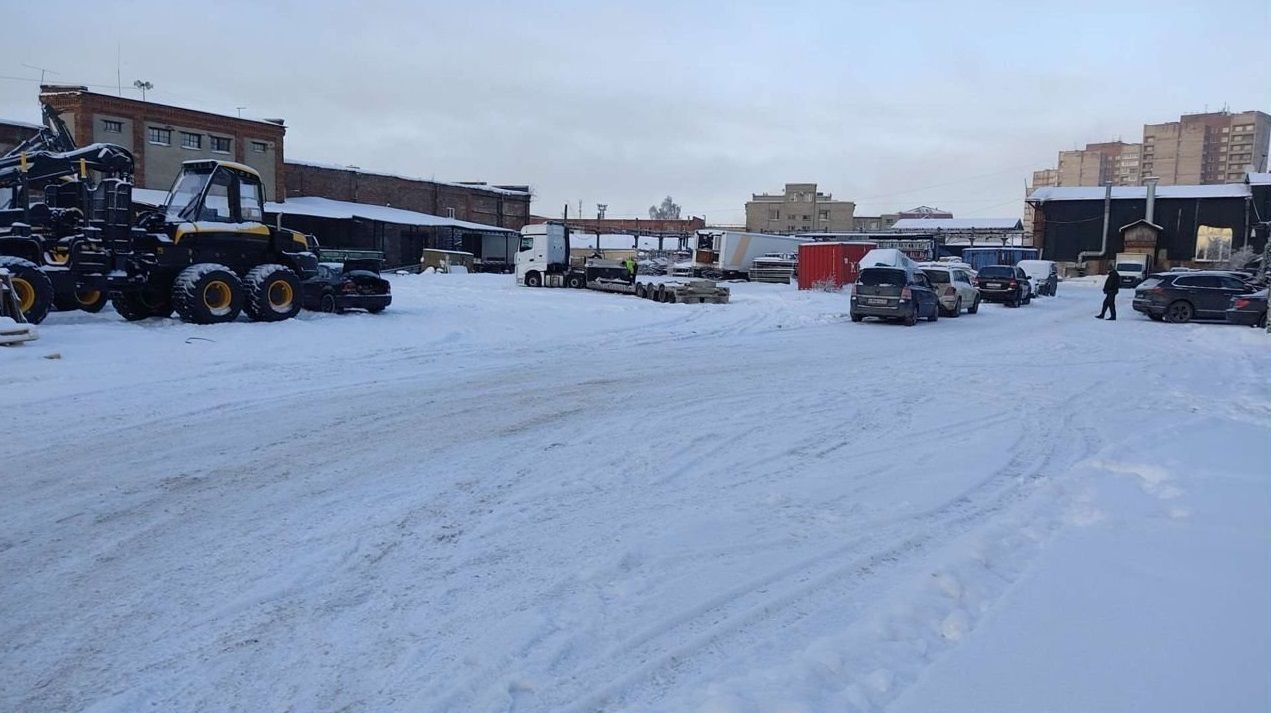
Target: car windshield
{"x": 937, "y": 276}
{"x": 184, "y": 193}
{"x": 1129, "y": 267}
{"x": 880, "y": 277}
{"x": 998, "y": 271}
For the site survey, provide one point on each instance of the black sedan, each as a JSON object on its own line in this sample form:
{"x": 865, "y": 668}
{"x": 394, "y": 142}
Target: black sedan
{"x": 356, "y": 284}
{"x": 1249, "y": 310}
{"x": 1184, "y": 296}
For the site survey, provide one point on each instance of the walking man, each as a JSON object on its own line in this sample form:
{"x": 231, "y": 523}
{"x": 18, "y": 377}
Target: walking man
{"x": 1110, "y": 287}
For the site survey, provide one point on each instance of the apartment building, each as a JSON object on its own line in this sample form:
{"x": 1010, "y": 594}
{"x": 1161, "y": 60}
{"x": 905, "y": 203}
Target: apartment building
{"x": 1216, "y": 147}
{"x": 800, "y": 208}
{"x": 1198, "y": 149}
{"x": 162, "y": 137}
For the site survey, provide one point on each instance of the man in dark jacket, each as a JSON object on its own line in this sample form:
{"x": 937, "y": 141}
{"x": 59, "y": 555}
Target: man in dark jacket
{"x": 1110, "y": 287}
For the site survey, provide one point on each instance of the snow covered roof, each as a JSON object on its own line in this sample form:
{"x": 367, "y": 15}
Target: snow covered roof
{"x": 958, "y": 224}
{"x": 1258, "y": 179}
{"x": 1091, "y": 193}
{"x": 352, "y": 169}
{"x": 327, "y": 208}
{"x": 23, "y": 124}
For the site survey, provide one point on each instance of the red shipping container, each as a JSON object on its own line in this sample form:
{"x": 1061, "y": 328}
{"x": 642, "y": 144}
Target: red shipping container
{"x": 831, "y": 264}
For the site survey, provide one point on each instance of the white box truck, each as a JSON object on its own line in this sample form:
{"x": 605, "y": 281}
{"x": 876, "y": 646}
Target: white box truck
{"x": 1133, "y": 268}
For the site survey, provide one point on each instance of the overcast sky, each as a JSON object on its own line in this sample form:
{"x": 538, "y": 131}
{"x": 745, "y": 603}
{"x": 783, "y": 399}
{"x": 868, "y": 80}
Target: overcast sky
{"x": 890, "y": 104}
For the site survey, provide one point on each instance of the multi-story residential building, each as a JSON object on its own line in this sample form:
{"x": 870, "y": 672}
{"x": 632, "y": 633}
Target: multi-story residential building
{"x": 162, "y": 137}
{"x": 1217, "y": 147}
{"x": 800, "y": 208}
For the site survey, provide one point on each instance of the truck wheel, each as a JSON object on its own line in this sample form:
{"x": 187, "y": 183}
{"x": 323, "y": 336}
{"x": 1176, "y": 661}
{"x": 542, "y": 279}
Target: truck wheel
{"x": 671, "y": 296}
{"x": 141, "y": 304}
{"x": 533, "y": 279}
{"x": 1179, "y": 312}
{"x": 575, "y": 281}
{"x": 90, "y": 300}
{"x": 641, "y": 290}
{"x": 207, "y": 293}
{"x": 273, "y": 293}
{"x": 32, "y": 287}
{"x": 328, "y": 304}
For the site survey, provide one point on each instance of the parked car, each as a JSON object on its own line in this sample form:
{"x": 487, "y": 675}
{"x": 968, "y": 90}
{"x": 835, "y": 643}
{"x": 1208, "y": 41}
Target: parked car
{"x": 955, "y": 289}
{"x": 1183, "y": 296}
{"x": 1044, "y": 274}
{"x": 1007, "y": 284}
{"x": 354, "y": 284}
{"x": 1249, "y": 310}
{"x": 900, "y": 293}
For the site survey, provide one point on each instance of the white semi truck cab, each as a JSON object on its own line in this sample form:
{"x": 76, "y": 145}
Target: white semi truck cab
{"x": 543, "y": 258}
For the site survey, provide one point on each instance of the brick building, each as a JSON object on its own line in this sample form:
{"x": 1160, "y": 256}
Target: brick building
{"x": 799, "y": 208}
{"x": 162, "y": 137}
{"x": 500, "y": 206}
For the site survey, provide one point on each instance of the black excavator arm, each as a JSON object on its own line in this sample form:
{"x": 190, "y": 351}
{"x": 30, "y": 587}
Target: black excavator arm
{"x": 54, "y": 137}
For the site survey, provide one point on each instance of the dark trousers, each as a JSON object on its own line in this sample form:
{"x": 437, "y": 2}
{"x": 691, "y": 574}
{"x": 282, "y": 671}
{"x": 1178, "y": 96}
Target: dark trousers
{"x": 1109, "y": 304}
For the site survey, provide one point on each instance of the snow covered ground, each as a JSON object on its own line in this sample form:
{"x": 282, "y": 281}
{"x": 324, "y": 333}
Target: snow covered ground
{"x": 492, "y": 498}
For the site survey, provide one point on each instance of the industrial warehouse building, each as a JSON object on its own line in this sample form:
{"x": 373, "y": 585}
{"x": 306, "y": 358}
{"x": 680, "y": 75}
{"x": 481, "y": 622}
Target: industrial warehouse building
{"x": 1191, "y": 220}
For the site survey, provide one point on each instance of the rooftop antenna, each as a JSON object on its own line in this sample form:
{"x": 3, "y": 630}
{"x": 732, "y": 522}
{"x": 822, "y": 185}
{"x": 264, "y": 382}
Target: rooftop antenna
{"x": 43, "y": 71}
{"x": 240, "y": 111}
{"x": 119, "y": 61}
{"x": 144, "y": 87}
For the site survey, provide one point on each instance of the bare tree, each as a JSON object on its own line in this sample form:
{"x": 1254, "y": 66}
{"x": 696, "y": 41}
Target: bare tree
{"x": 669, "y": 210}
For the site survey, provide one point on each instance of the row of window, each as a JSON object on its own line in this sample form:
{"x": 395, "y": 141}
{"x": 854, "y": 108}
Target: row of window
{"x": 776, "y": 215}
{"x": 219, "y": 144}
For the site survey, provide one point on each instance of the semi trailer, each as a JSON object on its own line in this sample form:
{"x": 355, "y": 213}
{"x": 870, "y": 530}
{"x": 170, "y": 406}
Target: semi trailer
{"x": 543, "y": 261}
{"x": 726, "y": 254}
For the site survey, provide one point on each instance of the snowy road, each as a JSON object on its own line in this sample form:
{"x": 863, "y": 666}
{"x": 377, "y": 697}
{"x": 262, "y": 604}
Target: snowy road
{"x": 500, "y": 499}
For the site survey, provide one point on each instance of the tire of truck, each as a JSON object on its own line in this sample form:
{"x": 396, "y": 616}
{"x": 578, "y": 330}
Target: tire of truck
{"x": 671, "y": 297}
{"x": 328, "y": 304}
{"x": 641, "y": 291}
{"x": 207, "y": 293}
{"x": 272, "y": 293}
{"x": 147, "y": 302}
{"x": 33, "y": 288}
{"x": 533, "y": 279}
{"x": 575, "y": 282}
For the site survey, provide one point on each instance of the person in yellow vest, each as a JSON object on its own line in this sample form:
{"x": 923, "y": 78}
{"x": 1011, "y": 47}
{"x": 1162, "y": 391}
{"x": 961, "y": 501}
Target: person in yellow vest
{"x": 630, "y": 264}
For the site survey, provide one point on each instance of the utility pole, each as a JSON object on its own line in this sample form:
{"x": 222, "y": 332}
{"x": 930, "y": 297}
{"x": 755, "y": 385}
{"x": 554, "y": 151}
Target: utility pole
{"x": 144, "y": 87}
{"x": 600, "y": 215}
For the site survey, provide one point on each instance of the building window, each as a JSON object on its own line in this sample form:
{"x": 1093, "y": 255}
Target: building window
{"x": 825, "y": 215}
{"x": 806, "y": 217}
{"x": 260, "y": 146}
{"x": 112, "y": 127}
{"x": 220, "y": 144}
{"x": 191, "y": 141}
{"x": 162, "y": 137}
{"x": 774, "y": 215}
{"x": 450, "y": 212}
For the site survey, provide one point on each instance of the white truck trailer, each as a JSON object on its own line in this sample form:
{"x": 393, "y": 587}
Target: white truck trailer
{"x": 726, "y": 254}
{"x": 543, "y": 261}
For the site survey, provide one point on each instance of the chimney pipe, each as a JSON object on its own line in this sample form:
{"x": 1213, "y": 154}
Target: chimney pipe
{"x": 1150, "y": 181}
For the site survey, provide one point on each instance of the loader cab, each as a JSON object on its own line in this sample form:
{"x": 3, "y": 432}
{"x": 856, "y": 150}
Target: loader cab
{"x": 215, "y": 192}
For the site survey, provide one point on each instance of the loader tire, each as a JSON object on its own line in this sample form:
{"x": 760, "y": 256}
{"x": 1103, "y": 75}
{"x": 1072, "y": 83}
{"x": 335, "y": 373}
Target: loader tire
{"x": 141, "y": 304}
{"x": 272, "y": 293}
{"x": 33, "y": 288}
{"x": 86, "y": 299}
{"x": 207, "y": 293}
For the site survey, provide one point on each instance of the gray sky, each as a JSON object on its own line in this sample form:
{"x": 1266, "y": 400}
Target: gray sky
{"x": 891, "y": 104}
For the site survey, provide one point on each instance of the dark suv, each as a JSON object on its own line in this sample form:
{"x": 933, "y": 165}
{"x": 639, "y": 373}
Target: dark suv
{"x": 1004, "y": 283}
{"x": 894, "y": 293}
{"x": 1184, "y": 296}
